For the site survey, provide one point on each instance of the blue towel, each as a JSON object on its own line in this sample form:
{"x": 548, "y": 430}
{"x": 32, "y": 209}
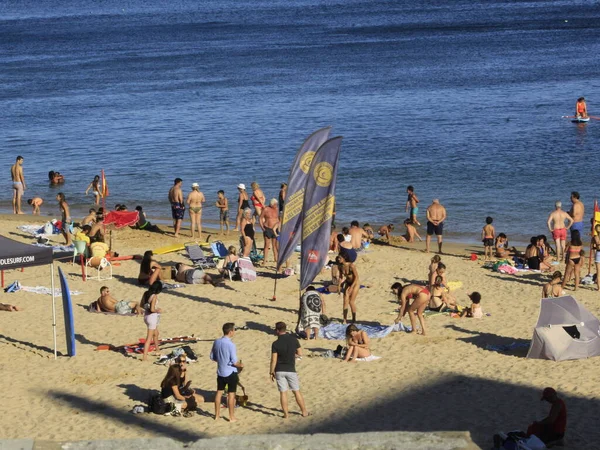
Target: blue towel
{"x": 337, "y": 331}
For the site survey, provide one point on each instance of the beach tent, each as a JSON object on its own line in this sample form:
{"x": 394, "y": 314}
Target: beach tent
{"x": 565, "y": 330}
{"x": 15, "y": 255}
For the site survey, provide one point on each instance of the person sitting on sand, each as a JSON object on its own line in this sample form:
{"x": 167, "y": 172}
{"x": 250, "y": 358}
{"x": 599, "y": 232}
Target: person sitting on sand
{"x": 311, "y": 308}
{"x": 440, "y": 271}
{"x": 433, "y": 269}
{"x": 502, "y": 250}
{"x": 9, "y": 308}
{"x": 149, "y": 270}
{"x": 192, "y": 275}
{"x": 411, "y": 232}
{"x": 230, "y": 262}
{"x": 574, "y": 254}
{"x": 553, "y": 289}
{"x": 35, "y": 203}
{"x": 349, "y": 285}
{"x": 107, "y": 303}
{"x": 143, "y": 224}
{"x": 385, "y": 232}
{"x": 531, "y": 254}
{"x": 97, "y": 231}
{"x": 176, "y": 389}
{"x": 357, "y": 342}
{"x": 544, "y": 252}
{"x": 474, "y": 310}
{"x": 420, "y": 297}
{"x": 357, "y": 235}
{"x": 440, "y": 297}
{"x": 370, "y": 232}
{"x": 90, "y": 219}
{"x": 552, "y": 428}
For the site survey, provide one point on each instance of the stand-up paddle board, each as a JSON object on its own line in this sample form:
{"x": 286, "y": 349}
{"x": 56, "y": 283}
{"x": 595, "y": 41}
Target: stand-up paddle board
{"x": 580, "y": 119}
{"x": 68, "y": 313}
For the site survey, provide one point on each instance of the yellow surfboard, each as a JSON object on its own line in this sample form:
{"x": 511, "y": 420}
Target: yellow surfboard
{"x": 175, "y": 248}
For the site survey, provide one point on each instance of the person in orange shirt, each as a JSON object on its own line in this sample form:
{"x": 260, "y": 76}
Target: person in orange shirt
{"x": 581, "y": 108}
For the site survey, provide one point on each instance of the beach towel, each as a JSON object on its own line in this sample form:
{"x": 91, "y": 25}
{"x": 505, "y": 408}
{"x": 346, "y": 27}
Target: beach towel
{"x": 247, "y": 271}
{"x": 337, "y": 331}
{"x": 47, "y": 291}
{"x": 369, "y": 358}
{"x": 92, "y": 307}
{"x": 122, "y": 219}
{"x": 58, "y": 248}
{"x": 34, "y": 230}
{"x": 310, "y": 311}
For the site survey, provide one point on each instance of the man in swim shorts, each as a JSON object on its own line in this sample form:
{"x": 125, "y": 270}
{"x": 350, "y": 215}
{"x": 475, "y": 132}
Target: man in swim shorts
{"x": 18, "y": 184}
{"x": 177, "y": 206}
{"x": 436, "y": 215}
{"x": 411, "y": 203}
{"x": 556, "y": 225}
{"x": 192, "y": 275}
{"x": 107, "y": 303}
{"x": 577, "y": 212}
{"x": 269, "y": 222}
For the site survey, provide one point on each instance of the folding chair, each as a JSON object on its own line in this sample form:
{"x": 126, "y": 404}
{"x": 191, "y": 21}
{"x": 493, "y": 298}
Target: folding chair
{"x": 219, "y": 249}
{"x": 196, "y": 255}
{"x": 105, "y": 267}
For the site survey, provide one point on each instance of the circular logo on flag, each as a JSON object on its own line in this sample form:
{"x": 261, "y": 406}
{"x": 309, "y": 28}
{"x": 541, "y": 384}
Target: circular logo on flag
{"x": 323, "y": 174}
{"x": 306, "y": 161}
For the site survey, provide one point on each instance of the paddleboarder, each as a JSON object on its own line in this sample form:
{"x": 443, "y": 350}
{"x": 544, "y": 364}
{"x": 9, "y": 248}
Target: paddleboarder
{"x": 581, "y": 109}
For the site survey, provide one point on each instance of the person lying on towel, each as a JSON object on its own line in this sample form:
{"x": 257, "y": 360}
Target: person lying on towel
{"x": 192, "y": 275}
{"x": 107, "y": 303}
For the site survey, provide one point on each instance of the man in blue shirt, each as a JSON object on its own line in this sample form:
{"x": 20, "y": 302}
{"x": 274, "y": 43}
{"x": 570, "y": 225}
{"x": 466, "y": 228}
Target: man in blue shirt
{"x": 224, "y": 354}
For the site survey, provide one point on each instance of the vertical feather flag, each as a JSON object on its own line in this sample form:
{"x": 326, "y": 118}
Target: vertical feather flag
{"x": 290, "y": 224}
{"x": 317, "y": 211}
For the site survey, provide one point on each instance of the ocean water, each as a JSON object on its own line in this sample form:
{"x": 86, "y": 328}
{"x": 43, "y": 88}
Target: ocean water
{"x": 462, "y": 99}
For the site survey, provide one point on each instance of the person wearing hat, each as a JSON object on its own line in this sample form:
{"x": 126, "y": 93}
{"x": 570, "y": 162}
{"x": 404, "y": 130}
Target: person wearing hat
{"x": 553, "y": 427}
{"x": 242, "y": 205}
{"x": 194, "y": 200}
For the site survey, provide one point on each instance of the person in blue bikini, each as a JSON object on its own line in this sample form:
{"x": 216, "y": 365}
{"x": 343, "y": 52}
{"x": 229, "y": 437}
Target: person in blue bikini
{"x": 577, "y": 212}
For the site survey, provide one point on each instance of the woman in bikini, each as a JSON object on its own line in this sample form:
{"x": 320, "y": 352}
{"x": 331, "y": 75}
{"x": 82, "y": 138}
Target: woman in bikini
{"x": 258, "y": 198}
{"x": 247, "y": 231}
{"x": 532, "y": 256}
{"x": 95, "y": 187}
{"x": 194, "y": 200}
{"x": 545, "y": 253}
{"x": 420, "y": 297}
{"x": 553, "y": 289}
{"x": 358, "y": 344}
{"x": 596, "y": 248}
{"x": 149, "y": 270}
{"x": 242, "y": 205}
{"x": 65, "y": 217}
{"x": 574, "y": 252}
{"x": 440, "y": 297}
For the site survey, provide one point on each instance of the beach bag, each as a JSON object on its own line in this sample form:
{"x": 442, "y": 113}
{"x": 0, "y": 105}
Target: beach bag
{"x": 158, "y": 405}
{"x": 48, "y": 228}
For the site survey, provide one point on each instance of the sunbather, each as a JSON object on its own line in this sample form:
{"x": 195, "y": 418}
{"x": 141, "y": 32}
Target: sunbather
{"x": 357, "y": 342}
{"x": 230, "y": 260}
{"x": 149, "y": 270}
{"x": 440, "y": 297}
{"x": 107, "y": 303}
{"x": 553, "y": 289}
{"x": 192, "y": 275}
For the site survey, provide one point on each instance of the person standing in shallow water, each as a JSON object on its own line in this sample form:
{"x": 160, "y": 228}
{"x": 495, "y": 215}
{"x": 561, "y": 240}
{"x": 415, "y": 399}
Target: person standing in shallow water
{"x": 18, "y": 184}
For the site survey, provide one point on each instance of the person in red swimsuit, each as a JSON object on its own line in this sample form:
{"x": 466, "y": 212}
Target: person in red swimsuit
{"x": 553, "y": 427}
{"x": 420, "y": 297}
{"x": 581, "y": 108}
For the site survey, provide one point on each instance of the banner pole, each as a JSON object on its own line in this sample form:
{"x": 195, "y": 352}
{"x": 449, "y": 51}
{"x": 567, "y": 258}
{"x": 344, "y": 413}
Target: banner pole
{"x": 275, "y": 287}
{"x": 53, "y": 307}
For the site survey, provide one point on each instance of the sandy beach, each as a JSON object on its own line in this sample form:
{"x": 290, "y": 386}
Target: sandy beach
{"x": 447, "y": 380}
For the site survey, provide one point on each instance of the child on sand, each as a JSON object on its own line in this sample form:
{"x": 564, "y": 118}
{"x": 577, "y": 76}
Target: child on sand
{"x": 488, "y": 233}
{"x": 223, "y": 206}
{"x": 35, "y": 203}
{"x": 411, "y": 232}
{"x": 386, "y": 231}
{"x": 474, "y": 310}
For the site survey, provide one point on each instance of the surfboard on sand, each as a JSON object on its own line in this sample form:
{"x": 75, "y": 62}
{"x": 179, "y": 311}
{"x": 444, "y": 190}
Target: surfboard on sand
{"x": 68, "y": 313}
{"x": 175, "y": 248}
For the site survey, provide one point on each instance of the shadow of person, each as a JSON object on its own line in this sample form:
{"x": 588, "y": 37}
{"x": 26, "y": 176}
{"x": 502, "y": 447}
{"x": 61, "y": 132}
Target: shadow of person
{"x": 493, "y": 342}
{"x": 137, "y": 393}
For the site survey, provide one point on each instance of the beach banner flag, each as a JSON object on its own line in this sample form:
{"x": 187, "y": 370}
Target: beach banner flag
{"x": 290, "y": 223}
{"x": 317, "y": 212}
{"x": 105, "y": 192}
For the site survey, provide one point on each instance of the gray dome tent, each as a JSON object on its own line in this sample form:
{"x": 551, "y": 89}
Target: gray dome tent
{"x": 565, "y": 330}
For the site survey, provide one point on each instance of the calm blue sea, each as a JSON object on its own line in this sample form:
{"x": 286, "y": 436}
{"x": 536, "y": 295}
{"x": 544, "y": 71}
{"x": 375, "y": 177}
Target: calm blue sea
{"x": 462, "y": 99}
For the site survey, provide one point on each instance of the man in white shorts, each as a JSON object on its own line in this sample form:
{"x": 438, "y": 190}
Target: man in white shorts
{"x": 283, "y": 368}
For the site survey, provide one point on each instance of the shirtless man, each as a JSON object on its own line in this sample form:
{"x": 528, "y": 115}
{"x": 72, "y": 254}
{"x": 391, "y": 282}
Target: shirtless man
{"x": 436, "y": 215}
{"x": 194, "y": 200}
{"x": 18, "y": 181}
{"x": 177, "y": 206}
{"x": 35, "y": 203}
{"x": 97, "y": 231}
{"x": 386, "y": 231}
{"x": 357, "y": 234}
{"x": 269, "y": 222}
{"x": 107, "y": 303}
{"x": 90, "y": 219}
{"x": 192, "y": 275}
{"x": 349, "y": 284}
{"x": 412, "y": 203}
{"x": 556, "y": 225}
{"x": 411, "y": 232}
{"x": 577, "y": 212}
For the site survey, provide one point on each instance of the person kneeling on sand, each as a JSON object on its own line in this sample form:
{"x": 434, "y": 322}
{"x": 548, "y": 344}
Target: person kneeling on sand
{"x": 357, "y": 342}
{"x": 386, "y": 231}
{"x": 192, "y": 275}
{"x": 107, "y": 303}
{"x": 411, "y": 232}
